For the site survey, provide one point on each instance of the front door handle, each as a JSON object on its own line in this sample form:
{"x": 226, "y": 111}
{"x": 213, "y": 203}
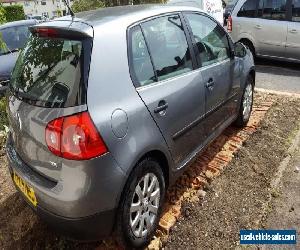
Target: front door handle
{"x": 210, "y": 84}
{"x": 293, "y": 31}
{"x": 162, "y": 106}
{"x": 258, "y": 27}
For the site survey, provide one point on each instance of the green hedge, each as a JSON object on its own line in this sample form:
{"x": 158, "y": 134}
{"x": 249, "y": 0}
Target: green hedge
{"x": 2, "y": 15}
{"x": 14, "y": 13}
{"x": 3, "y": 115}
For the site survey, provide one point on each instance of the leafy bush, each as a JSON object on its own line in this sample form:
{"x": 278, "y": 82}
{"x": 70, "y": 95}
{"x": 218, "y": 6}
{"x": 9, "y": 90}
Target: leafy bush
{"x": 2, "y": 15}
{"x": 14, "y": 13}
{"x": 3, "y": 115}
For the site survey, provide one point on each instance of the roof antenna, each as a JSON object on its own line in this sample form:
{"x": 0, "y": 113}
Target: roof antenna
{"x": 69, "y": 8}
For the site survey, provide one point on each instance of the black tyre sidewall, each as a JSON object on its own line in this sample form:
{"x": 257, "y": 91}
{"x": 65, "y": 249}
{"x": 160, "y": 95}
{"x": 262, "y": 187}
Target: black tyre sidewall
{"x": 240, "y": 122}
{"x": 125, "y": 233}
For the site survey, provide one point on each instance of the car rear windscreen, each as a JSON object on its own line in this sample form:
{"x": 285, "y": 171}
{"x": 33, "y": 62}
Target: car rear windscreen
{"x": 50, "y": 72}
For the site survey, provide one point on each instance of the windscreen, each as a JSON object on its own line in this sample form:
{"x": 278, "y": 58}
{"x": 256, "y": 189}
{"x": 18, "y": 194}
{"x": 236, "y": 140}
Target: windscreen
{"x": 50, "y": 72}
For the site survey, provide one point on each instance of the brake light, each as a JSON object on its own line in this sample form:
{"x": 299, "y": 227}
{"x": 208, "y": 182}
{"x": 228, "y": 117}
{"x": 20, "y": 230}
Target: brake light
{"x": 74, "y": 137}
{"x": 229, "y": 24}
{"x": 45, "y": 32}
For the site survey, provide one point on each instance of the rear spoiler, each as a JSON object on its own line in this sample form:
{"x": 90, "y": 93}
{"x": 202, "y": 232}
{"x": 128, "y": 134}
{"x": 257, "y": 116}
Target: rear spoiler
{"x": 68, "y": 32}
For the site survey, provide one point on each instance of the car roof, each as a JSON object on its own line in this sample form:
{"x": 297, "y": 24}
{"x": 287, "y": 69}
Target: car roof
{"x": 18, "y": 23}
{"x": 127, "y": 14}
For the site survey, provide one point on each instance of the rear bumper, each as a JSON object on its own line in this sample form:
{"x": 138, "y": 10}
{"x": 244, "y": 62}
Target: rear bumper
{"x": 82, "y": 205}
{"x": 91, "y": 228}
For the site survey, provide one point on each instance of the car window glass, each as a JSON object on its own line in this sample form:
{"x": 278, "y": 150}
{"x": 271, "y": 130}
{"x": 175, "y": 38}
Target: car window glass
{"x": 141, "y": 61}
{"x": 211, "y": 39}
{"x": 168, "y": 46}
{"x": 296, "y": 10}
{"x": 248, "y": 9}
{"x": 13, "y": 38}
{"x": 272, "y": 9}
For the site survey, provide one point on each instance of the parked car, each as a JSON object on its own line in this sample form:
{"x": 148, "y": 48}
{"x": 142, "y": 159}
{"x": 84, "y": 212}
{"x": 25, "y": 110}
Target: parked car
{"x": 13, "y": 37}
{"x": 212, "y": 7}
{"x": 106, "y": 109}
{"x": 270, "y": 29}
{"x": 228, "y": 9}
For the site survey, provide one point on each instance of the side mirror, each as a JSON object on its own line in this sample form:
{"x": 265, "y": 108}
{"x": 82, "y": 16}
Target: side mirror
{"x": 240, "y": 50}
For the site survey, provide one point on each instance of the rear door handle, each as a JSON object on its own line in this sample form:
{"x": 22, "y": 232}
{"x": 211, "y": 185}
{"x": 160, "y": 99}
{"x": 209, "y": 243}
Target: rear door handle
{"x": 162, "y": 106}
{"x": 258, "y": 27}
{"x": 210, "y": 84}
{"x": 293, "y": 31}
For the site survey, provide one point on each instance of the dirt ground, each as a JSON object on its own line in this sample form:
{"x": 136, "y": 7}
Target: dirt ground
{"x": 234, "y": 200}
{"x": 238, "y": 199}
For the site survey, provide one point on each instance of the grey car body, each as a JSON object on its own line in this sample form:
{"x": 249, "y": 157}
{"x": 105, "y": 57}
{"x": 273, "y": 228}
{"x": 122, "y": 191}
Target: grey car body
{"x": 8, "y": 59}
{"x": 271, "y": 29}
{"x": 170, "y": 120}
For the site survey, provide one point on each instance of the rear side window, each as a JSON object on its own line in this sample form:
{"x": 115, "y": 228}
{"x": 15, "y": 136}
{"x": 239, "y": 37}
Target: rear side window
{"x": 248, "y": 9}
{"x": 143, "y": 71}
{"x": 296, "y": 10}
{"x": 50, "y": 72}
{"x": 272, "y": 9}
{"x": 168, "y": 46}
{"x": 211, "y": 40}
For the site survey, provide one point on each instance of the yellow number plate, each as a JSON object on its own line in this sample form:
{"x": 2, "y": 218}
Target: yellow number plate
{"x": 25, "y": 189}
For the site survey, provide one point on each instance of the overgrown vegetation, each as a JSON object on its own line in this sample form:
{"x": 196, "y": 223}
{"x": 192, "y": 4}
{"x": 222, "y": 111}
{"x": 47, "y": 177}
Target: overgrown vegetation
{"x": 84, "y": 5}
{"x": 3, "y": 116}
{"x": 2, "y": 15}
{"x": 14, "y": 13}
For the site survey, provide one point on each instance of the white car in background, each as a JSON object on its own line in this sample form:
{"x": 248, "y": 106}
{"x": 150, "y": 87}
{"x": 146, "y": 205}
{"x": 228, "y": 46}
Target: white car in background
{"x": 211, "y": 7}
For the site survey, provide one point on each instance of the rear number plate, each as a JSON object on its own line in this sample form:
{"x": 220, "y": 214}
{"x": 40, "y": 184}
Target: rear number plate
{"x": 25, "y": 189}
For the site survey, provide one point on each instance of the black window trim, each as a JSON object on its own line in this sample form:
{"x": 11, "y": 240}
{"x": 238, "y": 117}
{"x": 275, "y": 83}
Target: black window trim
{"x": 130, "y": 30}
{"x": 288, "y": 12}
{"x": 195, "y": 49}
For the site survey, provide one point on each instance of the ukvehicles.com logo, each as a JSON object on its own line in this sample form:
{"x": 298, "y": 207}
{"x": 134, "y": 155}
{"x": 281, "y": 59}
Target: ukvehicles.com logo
{"x": 268, "y": 237}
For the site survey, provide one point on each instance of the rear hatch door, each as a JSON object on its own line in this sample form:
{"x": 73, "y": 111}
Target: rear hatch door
{"x": 49, "y": 81}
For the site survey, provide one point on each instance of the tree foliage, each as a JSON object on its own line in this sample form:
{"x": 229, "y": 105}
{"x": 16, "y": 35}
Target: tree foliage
{"x": 14, "y": 13}
{"x": 84, "y": 5}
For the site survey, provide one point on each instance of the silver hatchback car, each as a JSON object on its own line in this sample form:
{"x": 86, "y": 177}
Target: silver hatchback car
{"x": 107, "y": 108}
{"x": 270, "y": 29}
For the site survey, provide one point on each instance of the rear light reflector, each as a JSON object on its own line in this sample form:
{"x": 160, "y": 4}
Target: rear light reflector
{"x": 74, "y": 137}
{"x": 229, "y": 24}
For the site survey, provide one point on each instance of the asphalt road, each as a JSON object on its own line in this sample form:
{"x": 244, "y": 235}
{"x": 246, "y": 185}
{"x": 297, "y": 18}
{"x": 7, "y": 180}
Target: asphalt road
{"x": 278, "y": 76}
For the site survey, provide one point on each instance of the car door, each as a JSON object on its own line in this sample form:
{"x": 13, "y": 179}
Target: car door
{"x": 270, "y": 28}
{"x": 218, "y": 69}
{"x": 293, "y": 36}
{"x": 172, "y": 91}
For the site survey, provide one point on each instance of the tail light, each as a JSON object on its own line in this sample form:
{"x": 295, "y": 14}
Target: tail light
{"x": 74, "y": 137}
{"x": 229, "y": 24}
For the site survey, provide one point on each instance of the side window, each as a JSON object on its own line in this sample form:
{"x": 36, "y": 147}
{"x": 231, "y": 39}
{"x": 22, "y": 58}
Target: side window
{"x": 296, "y": 10}
{"x": 142, "y": 69}
{"x": 168, "y": 46}
{"x": 248, "y": 9}
{"x": 211, "y": 39}
{"x": 272, "y": 9}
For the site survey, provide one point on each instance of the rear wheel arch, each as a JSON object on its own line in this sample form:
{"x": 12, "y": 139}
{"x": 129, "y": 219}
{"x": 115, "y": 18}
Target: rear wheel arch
{"x": 249, "y": 44}
{"x": 161, "y": 159}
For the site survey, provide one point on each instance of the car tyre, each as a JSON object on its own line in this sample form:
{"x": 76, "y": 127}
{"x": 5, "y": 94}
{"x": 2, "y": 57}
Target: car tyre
{"x": 140, "y": 206}
{"x": 246, "y": 103}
